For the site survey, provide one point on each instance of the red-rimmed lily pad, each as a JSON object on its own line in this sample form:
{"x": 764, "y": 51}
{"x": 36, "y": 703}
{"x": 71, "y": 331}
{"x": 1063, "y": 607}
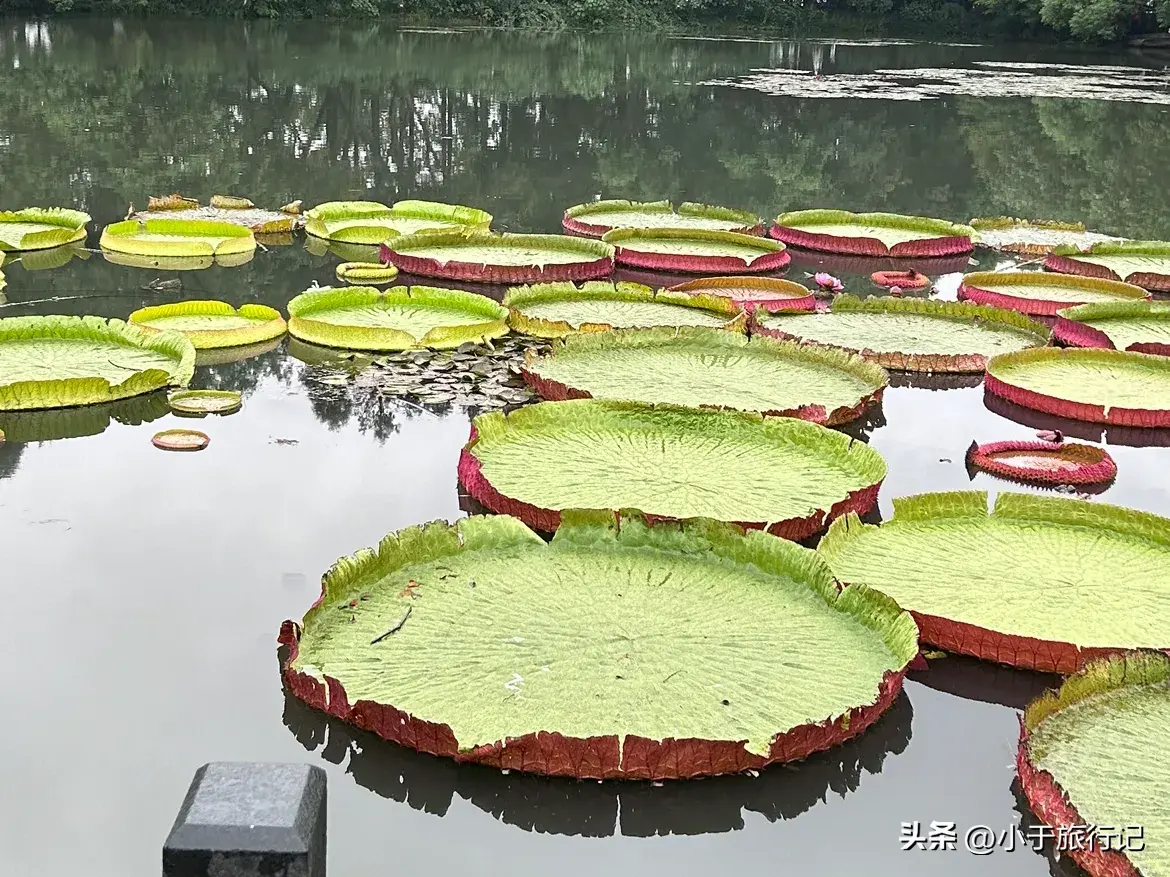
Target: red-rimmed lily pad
{"x": 750, "y": 292}
{"x": 1040, "y": 294}
{"x": 553, "y": 310}
{"x": 1142, "y": 263}
{"x": 695, "y": 251}
{"x": 1101, "y": 386}
{"x": 708, "y": 368}
{"x": 696, "y": 649}
{"x": 783, "y": 474}
{"x": 872, "y": 234}
{"x": 909, "y": 334}
{"x": 41, "y": 228}
{"x": 1041, "y": 462}
{"x": 1090, "y": 764}
{"x": 1041, "y": 582}
{"x": 486, "y": 257}
{"x": 1025, "y": 237}
{"x": 211, "y": 324}
{"x": 598, "y": 217}
{"x": 181, "y": 440}
{"x": 909, "y": 279}
{"x": 1139, "y": 327}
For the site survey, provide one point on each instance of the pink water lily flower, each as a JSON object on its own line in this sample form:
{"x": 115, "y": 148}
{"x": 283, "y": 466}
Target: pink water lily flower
{"x": 827, "y": 281}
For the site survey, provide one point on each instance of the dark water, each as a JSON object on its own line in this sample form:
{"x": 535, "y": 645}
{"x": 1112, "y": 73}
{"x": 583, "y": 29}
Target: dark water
{"x": 143, "y": 591}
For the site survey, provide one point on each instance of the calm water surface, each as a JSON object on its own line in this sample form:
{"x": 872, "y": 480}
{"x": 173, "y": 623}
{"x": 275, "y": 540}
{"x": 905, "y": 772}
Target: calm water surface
{"x": 144, "y": 590}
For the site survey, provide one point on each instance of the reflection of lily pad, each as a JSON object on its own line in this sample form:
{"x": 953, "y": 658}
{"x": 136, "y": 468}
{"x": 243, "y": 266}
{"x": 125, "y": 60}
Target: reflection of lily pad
{"x": 781, "y": 473}
{"x": 183, "y": 238}
{"x": 45, "y": 260}
{"x": 708, "y": 368}
{"x": 695, "y": 251}
{"x": 369, "y": 222}
{"x": 1142, "y": 263}
{"x": 1141, "y": 327}
{"x": 177, "y": 263}
{"x": 872, "y": 234}
{"x": 39, "y": 228}
{"x": 206, "y": 401}
{"x": 362, "y": 318}
{"x": 553, "y": 310}
{"x": 223, "y": 208}
{"x": 213, "y": 323}
{"x": 1033, "y": 238}
{"x": 1091, "y": 760}
{"x": 393, "y": 628}
{"x": 1101, "y": 386}
{"x": 224, "y": 355}
{"x": 765, "y": 292}
{"x": 55, "y": 362}
{"x": 1040, "y": 582}
{"x": 910, "y": 334}
{"x": 596, "y": 218}
{"x": 1042, "y": 294}
{"x": 484, "y": 257}
{"x": 51, "y": 424}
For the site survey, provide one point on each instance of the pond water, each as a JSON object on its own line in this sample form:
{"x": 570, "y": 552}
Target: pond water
{"x": 143, "y": 590}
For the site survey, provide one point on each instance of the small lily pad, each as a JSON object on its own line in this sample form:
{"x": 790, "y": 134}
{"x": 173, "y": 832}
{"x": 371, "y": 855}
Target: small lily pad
{"x": 206, "y": 401}
{"x": 181, "y": 440}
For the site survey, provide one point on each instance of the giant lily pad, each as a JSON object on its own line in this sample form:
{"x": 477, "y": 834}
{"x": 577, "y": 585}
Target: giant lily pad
{"x": 872, "y": 234}
{"x": 368, "y": 222}
{"x": 1140, "y": 327}
{"x": 222, "y": 208}
{"x": 751, "y": 292}
{"x": 781, "y": 473}
{"x": 1039, "y": 583}
{"x": 177, "y": 238}
{"x": 1090, "y": 761}
{"x": 687, "y": 650}
{"x": 362, "y": 318}
{"x": 213, "y": 323}
{"x": 695, "y": 251}
{"x": 910, "y": 334}
{"x": 56, "y": 362}
{"x": 1025, "y": 237}
{"x": 598, "y": 217}
{"x": 1142, "y": 263}
{"x": 553, "y": 310}
{"x": 1046, "y": 463}
{"x": 1040, "y": 294}
{"x": 1101, "y": 386}
{"x": 39, "y": 228}
{"x": 483, "y": 257}
{"x": 709, "y": 368}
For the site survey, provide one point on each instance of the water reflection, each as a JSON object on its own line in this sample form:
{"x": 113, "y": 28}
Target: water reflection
{"x": 1094, "y": 432}
{"x": 984, "y": 681}
{"x": 62, "y": 423}
{"x": 593, "y": 809}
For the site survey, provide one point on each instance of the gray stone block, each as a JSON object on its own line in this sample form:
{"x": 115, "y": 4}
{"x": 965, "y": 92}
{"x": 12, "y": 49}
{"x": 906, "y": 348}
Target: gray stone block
{"x": 250, "y": 820}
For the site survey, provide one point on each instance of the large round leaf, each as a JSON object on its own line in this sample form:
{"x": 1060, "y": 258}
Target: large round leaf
{"x": 618, "y": 650}
{"x": 553, "y": 310}
{"x": 695, "y": 251}
{"x": 1025, "y": 237}
{"x": 483, "y": 257}
{"x": 752, "y": 292}
{"x": 1142, "y": 327}
{"x": 210, "y": 324}
{"x": 911, "y": 334}
{"x": 55, "y": 362}
{"x": 40, "y": 228}
{"x": 223, "y": 208}
{"x": 1092, "y": 766}
{"x": 872, "y": 234}
{"x": 1101, "y": 386}
{"x": 177, "y": 238}
{"x": 597, "y": 217}
{"x": 362, "y": 318}
{"x": 1039, "y": 583}
{"x": 369, "y": 222}
{"x": 1041, "y": 294}
{"x": 1142, "y": 263}
{"x": 709, "y": 368}
{"x": 780, "y": 473}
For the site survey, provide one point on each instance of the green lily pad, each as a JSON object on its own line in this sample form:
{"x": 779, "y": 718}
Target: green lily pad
{"x": 1141, "y": 326}
{"x": 688, "y": 650}
{"x": 1025, "y": 237}
{"x": 553, "y": 310}
{"x": 223, "y": 208}
{"x": 911, "y": 334}
{"x": 210, "y": 324}
{"x": 1039, "y": 582}
{"x": 39, "y": 228}
{"x": 479, "y": 256}
{"x": 780, "y": 473}
{"x": 362, "y": 318}
{"x": 368, "y": 273}
{"x": 696, "y": 251}
{"x": 177, "y": 238}
{"x": 1041, "y": 293}
{"x": 54, "y": 362}
{"x": 1089, "y": 756}
{"x": 597, "y": 217}
{"x": 369, "y": 222}
{"x": 709, "y": 368}
{"x": 872, "y": 234}
{"x": 1142, "y": 263}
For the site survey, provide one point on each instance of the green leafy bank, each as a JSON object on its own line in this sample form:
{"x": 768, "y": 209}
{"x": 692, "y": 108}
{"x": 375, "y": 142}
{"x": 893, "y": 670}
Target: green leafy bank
{"x": 1088, "y": 20}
